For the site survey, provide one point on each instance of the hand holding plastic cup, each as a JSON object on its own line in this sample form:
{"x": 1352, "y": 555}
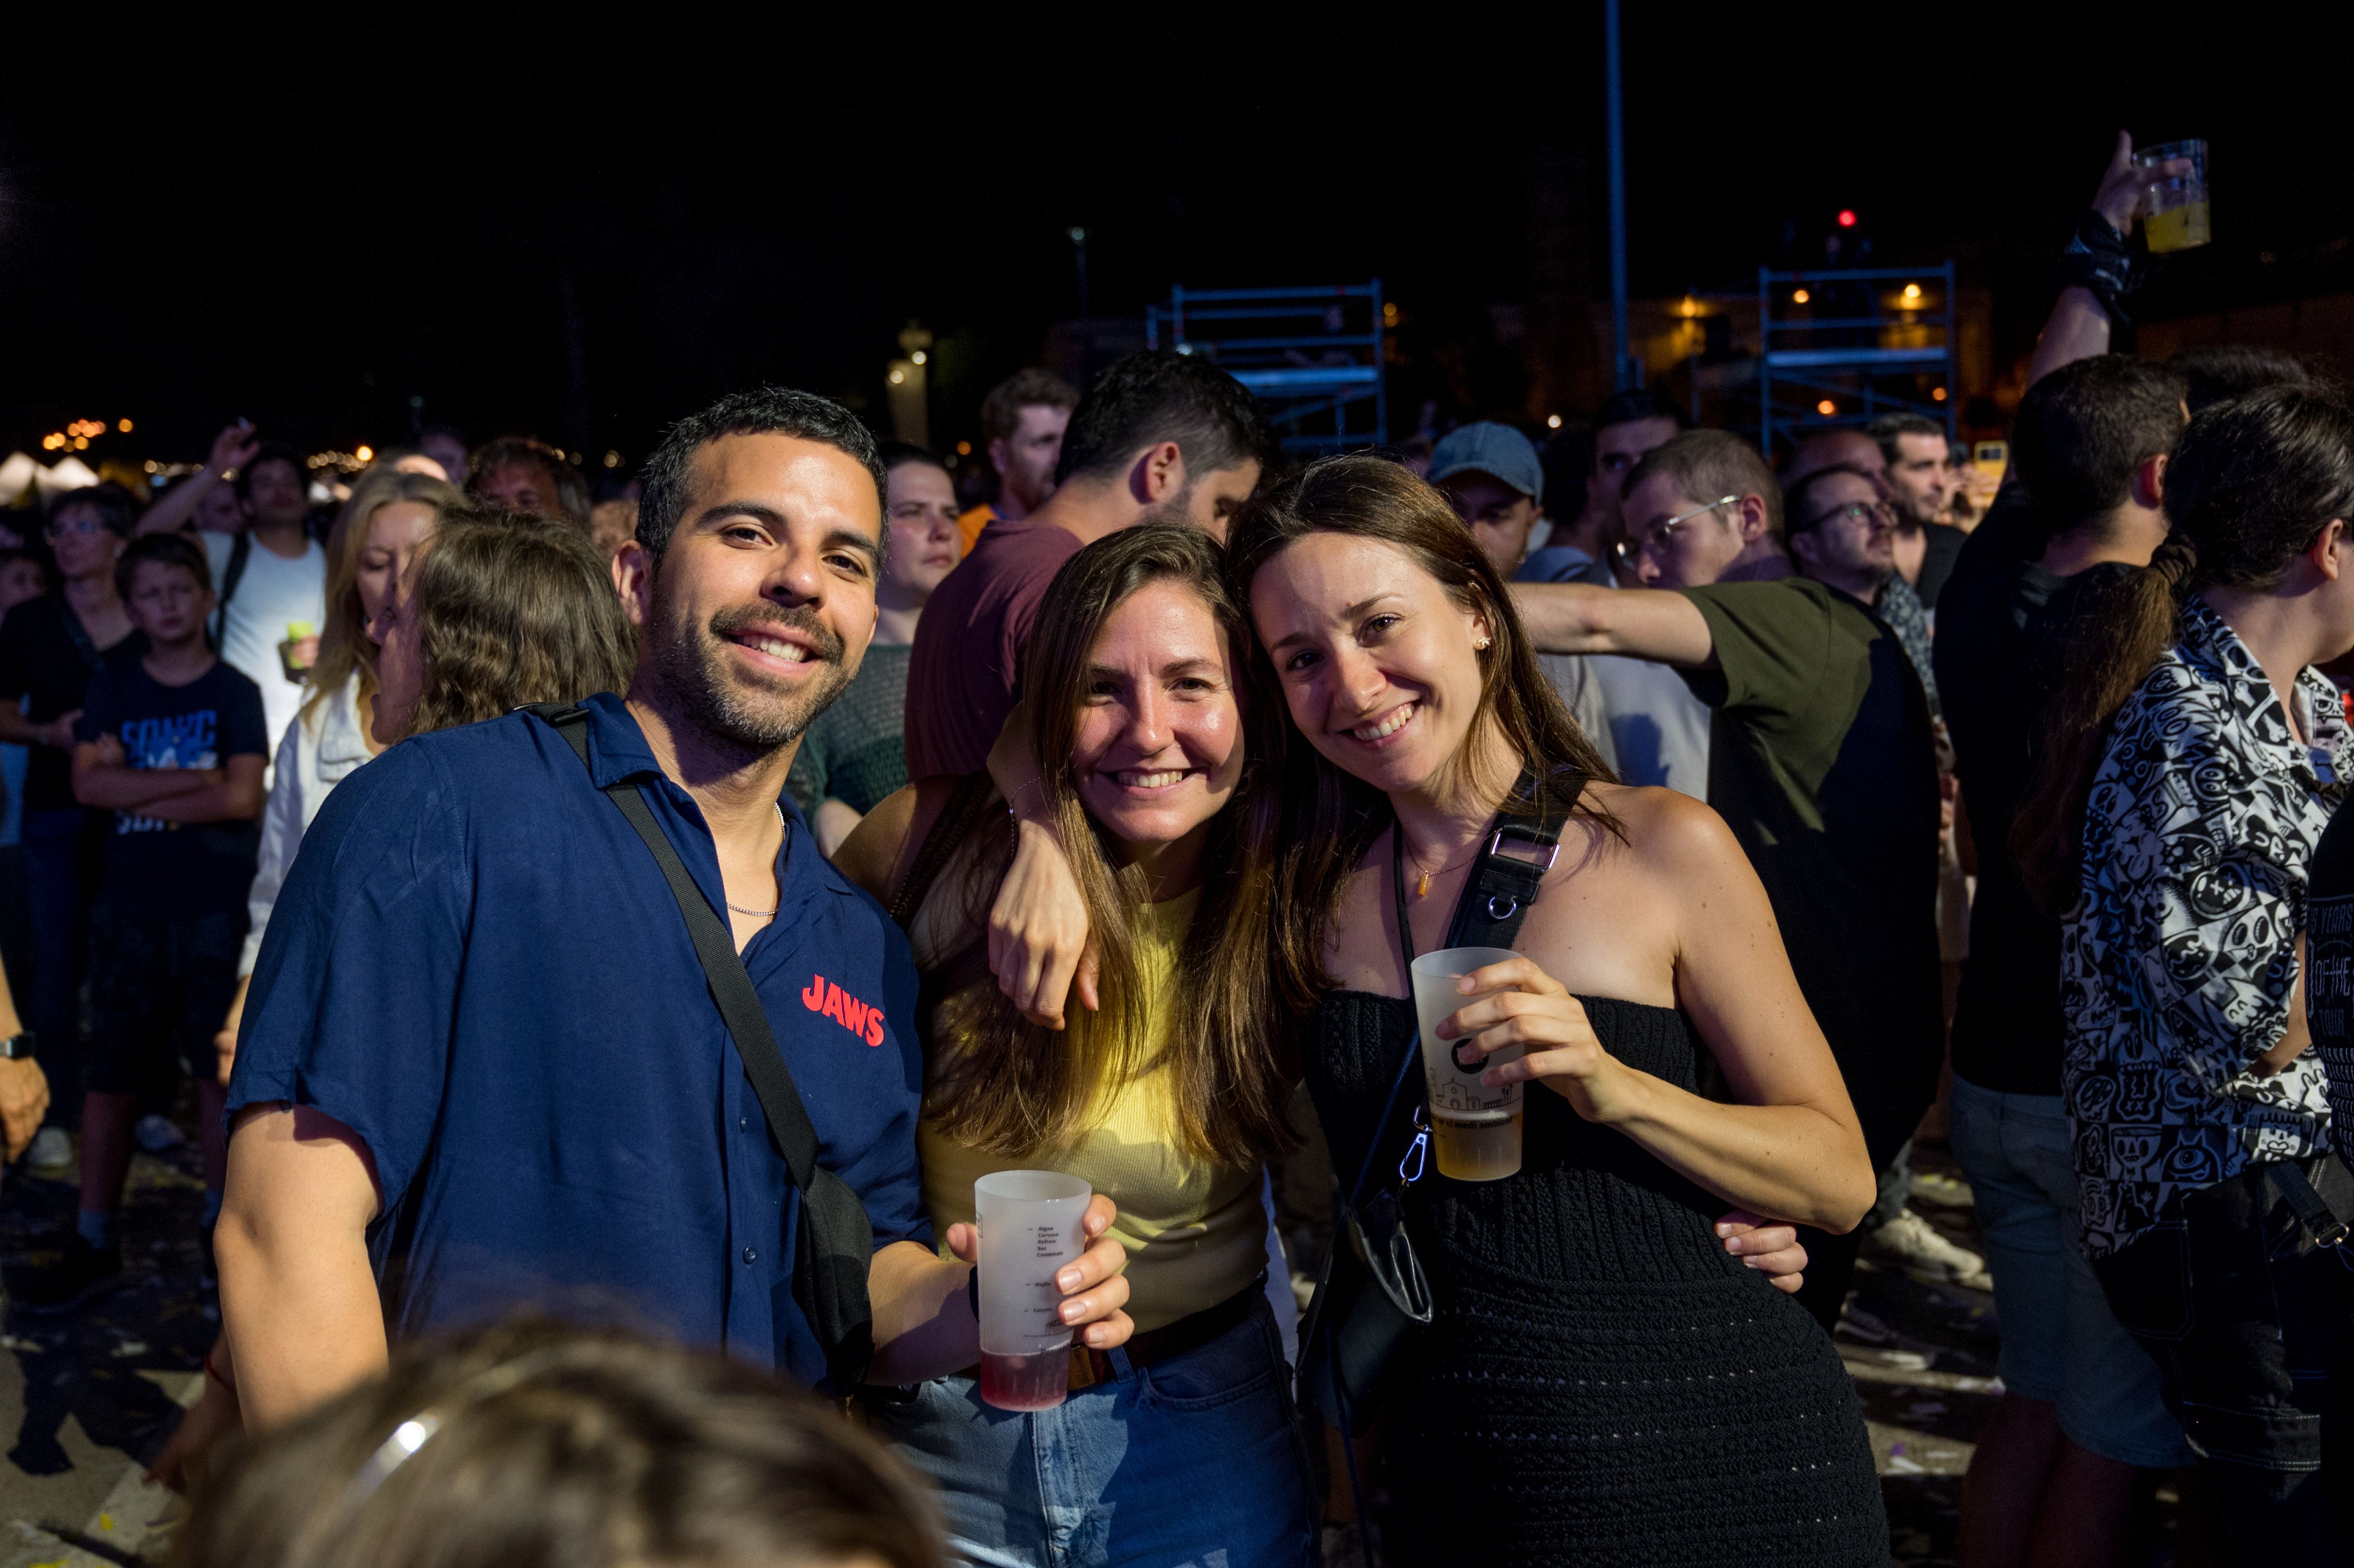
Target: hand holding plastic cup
{"x": 2174, "y": 212}
{"x": 1475, "y": 1129}
{"x": 1030, "y": 1225}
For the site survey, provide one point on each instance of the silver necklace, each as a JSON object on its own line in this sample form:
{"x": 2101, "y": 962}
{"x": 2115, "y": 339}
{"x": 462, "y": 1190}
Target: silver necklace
{"x": 759, "y": 914}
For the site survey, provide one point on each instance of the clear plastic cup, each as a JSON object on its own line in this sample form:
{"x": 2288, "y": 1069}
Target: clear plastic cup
{"x": 1475, "y": 1130}
{"x": 2173, "y": 214}
{"x": 1029, "y": 1228}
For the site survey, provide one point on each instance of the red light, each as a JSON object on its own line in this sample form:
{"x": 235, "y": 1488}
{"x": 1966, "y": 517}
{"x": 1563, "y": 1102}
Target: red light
{"x": 1847, "y": 218}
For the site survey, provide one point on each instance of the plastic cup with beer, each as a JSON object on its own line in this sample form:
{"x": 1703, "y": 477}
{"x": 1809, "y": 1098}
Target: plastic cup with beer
{"x": 1475, "y": 1130}
{"x": 2174, "y": 206}
{"x": 296, "y": 653}
{"x": 1029, "y": 1229}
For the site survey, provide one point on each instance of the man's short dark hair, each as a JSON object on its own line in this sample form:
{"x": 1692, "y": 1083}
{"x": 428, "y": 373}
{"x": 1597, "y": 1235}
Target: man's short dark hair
{"x": 1000, "y": 411}
{"x": 1888, "y": 426}
{"x": 899, "y": 454}
{"x": 571, "y": 490}
{"x": 270, "y": 452}
{"x": 1155, "y": 396}
{"x": 116, "y": 507}
{"x": 2084, "y": 429}
{"x": 165, "y": 549}
{"x": 1707, "y": 464}
{"x": 2225, "y": 370}
{"x": 762, "y": 412}
{"x": 1798, "y": 514}
{"x": 1637, "y": 403}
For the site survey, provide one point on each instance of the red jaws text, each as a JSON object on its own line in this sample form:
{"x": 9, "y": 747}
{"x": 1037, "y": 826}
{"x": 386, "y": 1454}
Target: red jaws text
{"x": 822, "y": 995}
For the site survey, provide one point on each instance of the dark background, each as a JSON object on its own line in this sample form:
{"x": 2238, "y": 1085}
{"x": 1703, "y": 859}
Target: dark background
{"x": 585, "y": 228}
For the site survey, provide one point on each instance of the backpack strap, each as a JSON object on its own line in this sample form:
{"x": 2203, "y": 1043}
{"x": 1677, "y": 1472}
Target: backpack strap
{"x": 955, "y": 823}
{"x": 233, "y": 573}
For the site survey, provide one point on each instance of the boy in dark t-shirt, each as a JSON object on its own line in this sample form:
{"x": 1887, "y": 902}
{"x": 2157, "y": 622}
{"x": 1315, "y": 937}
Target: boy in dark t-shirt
{"x": 173, "y": 745}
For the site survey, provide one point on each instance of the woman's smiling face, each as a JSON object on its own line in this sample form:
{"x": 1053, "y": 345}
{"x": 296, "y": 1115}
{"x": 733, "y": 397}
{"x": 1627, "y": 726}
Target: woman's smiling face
{"x": 1157, "y": 749}
{"x": 1379, "y": 663}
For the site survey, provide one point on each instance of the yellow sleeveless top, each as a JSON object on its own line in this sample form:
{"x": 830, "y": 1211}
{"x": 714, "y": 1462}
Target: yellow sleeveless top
{"x": 1195, "y": 1232}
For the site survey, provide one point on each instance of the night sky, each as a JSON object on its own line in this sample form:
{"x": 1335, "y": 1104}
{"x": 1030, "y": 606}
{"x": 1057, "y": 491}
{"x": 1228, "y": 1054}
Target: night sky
{"x": 582, "y": 237}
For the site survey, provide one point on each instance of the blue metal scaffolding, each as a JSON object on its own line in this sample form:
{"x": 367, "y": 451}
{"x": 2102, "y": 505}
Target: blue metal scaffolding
{"x": 1312, "y": 356}
{"x": 1842, "y": 355}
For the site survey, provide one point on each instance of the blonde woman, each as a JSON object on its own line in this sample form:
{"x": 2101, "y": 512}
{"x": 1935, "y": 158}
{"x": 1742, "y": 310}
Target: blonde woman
{"x": 390, "y": 514}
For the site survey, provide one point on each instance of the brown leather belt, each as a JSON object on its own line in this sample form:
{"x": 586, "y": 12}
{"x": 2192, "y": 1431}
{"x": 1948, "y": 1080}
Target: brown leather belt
{"x": 1190, "y": 1332}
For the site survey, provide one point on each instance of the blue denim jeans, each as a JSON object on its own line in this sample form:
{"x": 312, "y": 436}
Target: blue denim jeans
{"x": 1192, "y": 1462}
{"x": 2061, "y": 1342}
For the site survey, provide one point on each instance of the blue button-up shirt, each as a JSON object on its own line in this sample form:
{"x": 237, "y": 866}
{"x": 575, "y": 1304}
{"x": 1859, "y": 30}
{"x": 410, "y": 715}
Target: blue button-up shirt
{"x": 477, "y": 967}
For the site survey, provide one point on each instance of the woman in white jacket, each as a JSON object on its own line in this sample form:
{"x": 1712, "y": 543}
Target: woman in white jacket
{"x": 390, "y": 514}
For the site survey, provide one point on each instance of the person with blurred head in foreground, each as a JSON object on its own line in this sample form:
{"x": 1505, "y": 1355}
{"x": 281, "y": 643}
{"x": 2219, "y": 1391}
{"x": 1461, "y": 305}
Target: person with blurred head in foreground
{"x": 532, "y": 1445}
{"x": 481, "y": 1013}
{"x": 855, "y": 754}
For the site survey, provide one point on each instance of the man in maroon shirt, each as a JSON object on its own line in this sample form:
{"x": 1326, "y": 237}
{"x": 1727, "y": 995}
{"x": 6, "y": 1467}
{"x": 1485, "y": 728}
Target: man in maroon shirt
{"x": 1159, "y": 438}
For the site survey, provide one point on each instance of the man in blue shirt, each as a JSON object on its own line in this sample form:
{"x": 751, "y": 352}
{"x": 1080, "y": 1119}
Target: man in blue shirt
{"x": 480, "y": 1067}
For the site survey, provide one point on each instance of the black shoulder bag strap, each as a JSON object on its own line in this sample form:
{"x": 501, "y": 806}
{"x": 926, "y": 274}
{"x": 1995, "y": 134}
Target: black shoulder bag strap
{"x": 1373, "y": 1296}
{"x": 232, "y": 574}
{"x": 837, "y": 1246}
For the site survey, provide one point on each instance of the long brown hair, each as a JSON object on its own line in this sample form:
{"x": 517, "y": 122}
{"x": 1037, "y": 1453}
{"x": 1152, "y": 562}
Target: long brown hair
{"x": 345, "y": 649}
{"x": 1330, "y": 816}
{"x": 2251, "y": 484}
{"x": 513, "y": 609}
{"x": 540, "y": 1445}
{"x": 1004, "y": 1085}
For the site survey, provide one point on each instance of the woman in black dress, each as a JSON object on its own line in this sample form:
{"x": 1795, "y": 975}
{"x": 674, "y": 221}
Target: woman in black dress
{"x": 1605, "y": 1381}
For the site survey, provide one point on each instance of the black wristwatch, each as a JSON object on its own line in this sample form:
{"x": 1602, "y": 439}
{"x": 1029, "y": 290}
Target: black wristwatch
{"x": 18, "y": 1047}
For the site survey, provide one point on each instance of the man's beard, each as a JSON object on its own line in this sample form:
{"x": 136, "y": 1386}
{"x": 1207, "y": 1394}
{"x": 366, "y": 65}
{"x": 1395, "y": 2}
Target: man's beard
{"x": 1177, "y": 508}
{"x": 769, "y": 716}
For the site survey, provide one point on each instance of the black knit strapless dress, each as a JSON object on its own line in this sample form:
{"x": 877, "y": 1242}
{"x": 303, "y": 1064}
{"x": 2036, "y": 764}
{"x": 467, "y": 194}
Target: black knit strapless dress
{"x": 1601, "y": 1384}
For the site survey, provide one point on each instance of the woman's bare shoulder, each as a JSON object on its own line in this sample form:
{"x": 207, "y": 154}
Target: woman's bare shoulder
{"x": 1664, "y": 831}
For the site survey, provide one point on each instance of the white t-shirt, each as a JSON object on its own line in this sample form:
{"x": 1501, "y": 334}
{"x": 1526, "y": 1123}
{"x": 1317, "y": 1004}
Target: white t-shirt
{"x": 1657, "y": 728}
{"x": 272, "y": 593}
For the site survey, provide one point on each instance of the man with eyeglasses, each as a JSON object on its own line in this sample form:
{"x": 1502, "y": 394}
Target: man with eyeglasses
{"x": 1821, "y": 758}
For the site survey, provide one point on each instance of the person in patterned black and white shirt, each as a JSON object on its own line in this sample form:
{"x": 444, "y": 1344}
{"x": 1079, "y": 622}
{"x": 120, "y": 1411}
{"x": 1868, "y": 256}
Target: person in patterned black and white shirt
{"x": 2198, "y": 1113}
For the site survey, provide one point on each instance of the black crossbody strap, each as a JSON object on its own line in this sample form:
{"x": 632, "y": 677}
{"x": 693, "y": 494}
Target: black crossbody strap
{"x": 2312, "y": 1209}
{"x": 232, "y": 574}
{"x": 715, "y": 945}
{"x": 1497, "y": 897}
{"x": 1495, "y": 900}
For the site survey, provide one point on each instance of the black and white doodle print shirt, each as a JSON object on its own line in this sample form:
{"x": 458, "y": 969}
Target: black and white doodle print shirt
{"x": 2177, "y": 968}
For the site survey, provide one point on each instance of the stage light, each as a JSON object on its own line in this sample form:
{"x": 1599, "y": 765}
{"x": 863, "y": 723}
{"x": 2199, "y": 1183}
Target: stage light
{"x": 964, "y": 448}
{"x": 1936, "y": 394}
{"x": 1827, "y": 407}
{"x": 123, "y": 425}
{"x": 1801, "y": 297}
{"x": 1912, "y": 291}
{"x": 612, "y": 459}
{"x": 897, "y": 376}
{"x": 1552, "y": 421}
{"x": 917, "y": 358}
{"x": 1846, "y": 217}
{"x": 366, "y": 454}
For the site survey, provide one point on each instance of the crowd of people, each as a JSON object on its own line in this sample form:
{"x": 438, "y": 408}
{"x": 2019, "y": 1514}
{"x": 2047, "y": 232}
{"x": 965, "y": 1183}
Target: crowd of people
{"x": 599, "y": 927}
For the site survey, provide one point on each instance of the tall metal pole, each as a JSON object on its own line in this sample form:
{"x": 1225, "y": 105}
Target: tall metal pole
{"x": 1622, "y": 362}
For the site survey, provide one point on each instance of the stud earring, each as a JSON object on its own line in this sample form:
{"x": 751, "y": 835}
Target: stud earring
{"x": 1482, "y": 644}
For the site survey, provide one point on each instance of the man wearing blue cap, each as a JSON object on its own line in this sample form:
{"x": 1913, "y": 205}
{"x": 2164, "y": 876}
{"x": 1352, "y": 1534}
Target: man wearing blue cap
{"x": 1490, "y": 475}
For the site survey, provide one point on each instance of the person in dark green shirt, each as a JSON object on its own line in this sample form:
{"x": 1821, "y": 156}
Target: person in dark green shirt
{"x": 1823, "y": 763}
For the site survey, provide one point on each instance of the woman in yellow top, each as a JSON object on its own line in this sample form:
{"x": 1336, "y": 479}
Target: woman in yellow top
{"x": 1168, "y": 1099}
